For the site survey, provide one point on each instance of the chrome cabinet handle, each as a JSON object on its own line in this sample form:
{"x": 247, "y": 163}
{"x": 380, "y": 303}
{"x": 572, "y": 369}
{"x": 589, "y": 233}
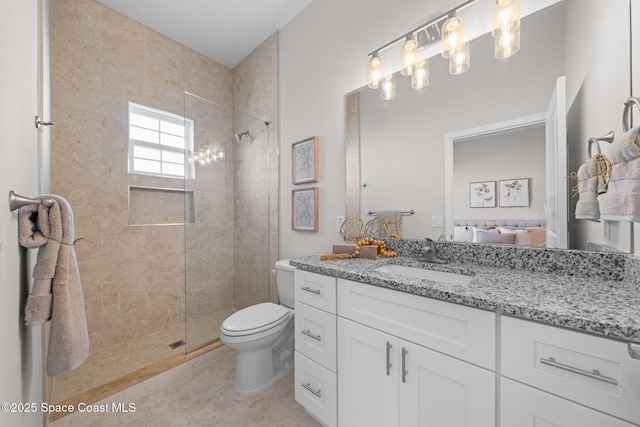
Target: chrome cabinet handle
{"x": 313, "y": 291}
{"x": 389, "y": 358}
{"x": 595, "y": 374}
{"x": 634, "y": 350}
{"x": 307, "y": 385}
{"x": 404, "y": 365}
{"x": 309, "y": 334}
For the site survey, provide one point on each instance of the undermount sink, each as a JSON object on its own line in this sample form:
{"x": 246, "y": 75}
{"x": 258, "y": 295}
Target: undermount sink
{"x": 421, "y": 273}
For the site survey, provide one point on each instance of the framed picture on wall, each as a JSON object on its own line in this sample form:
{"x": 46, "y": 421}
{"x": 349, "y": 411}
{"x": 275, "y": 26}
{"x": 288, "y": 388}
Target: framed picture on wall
{"x": 482, "y": 194}
{"x": 304, "y": 160}
{"x": 514, "y": 192}
{"x": 304, "y": 209}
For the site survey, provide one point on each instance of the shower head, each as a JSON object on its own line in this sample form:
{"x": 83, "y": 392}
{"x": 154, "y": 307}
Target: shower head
{"x": 238, "y": 136}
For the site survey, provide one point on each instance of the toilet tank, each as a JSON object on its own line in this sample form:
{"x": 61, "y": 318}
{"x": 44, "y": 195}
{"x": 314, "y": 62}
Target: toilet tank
{"x": 284, "y": 278}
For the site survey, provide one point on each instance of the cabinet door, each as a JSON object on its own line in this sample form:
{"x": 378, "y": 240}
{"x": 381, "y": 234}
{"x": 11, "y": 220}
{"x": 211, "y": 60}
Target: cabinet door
{"x": 523, "y": 406}
{"x": 368, "y": 379}
{"x": 438, "y": 390}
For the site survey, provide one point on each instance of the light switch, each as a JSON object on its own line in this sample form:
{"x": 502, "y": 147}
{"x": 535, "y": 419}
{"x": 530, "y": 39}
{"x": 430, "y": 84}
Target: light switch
{"x": 437, "y": 222}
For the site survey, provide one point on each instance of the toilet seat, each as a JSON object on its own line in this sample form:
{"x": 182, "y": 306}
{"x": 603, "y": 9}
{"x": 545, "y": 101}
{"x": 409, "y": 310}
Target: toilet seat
{"x": 255, "y": 319}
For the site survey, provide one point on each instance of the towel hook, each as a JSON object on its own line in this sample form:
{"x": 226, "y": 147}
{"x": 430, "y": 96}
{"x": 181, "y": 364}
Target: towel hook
{"x": 16, "y": 201}
{"x": 627, "y": 113}
{"x": 596, "y": 141}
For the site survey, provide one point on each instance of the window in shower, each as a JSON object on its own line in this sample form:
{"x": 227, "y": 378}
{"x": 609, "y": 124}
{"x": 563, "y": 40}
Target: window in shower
{"x": 159, "y": 143}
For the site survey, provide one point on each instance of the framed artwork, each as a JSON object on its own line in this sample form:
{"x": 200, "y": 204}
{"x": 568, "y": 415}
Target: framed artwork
{"x": 514, "y": 192}
{"x": 482, "y": 194}
{"x": 304, "y": 160}
{"x": 304, "y": 209}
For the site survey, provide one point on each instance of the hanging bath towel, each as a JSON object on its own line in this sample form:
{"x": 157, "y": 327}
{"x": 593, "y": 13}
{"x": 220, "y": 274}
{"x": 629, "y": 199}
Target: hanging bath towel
{"x": 622, "y": 201}
{"x": 57, "y": 291}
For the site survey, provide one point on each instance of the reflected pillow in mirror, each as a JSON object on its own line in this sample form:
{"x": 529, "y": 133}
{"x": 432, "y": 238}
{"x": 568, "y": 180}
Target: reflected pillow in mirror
{"x": 462, "y": 233}
{"x": 522, "y": 235}
{"x": 476, "y": 230}
{"x": 489, "y": 236}
{"x": 537, "y": 236}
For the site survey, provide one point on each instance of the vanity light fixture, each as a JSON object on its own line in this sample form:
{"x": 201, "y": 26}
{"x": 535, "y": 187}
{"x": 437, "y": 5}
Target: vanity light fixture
{"x": 410, "y": 55}
{"x": 375, "y": 71}
{"x": 461, "y": 59}
{"x": 506, "y": 28}
{"x": 388, "y": 88}
{"x": 205, "y": 156}
{"x": 420, "y": 75}
{"x": 448, "y": 29}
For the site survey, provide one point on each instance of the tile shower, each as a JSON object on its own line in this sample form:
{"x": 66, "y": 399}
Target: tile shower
{"x": 161, "y": 260}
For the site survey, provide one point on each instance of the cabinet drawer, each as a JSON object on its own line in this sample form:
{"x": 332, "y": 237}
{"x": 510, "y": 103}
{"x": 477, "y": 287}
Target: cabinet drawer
{"x": 462, "y": 332}
{"x": 316, "y": 389}
{"x": 525, "y": 406}
{"x": 590, "y": 370}
{"x": 316, "y": 335}
{"x": 316, "y": 290}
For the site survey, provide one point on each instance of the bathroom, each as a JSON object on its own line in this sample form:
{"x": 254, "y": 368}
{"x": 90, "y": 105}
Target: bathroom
{"x": 303, "y": 51}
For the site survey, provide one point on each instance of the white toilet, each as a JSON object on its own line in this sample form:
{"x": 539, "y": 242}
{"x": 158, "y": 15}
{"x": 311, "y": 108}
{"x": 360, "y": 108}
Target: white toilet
{"x": 263, "y": 336}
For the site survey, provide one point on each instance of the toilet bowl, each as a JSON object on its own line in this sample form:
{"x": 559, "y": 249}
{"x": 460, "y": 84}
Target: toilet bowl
{"x": 263, "y": 336}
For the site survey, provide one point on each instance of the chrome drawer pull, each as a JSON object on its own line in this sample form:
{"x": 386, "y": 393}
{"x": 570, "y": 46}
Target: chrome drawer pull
{"x": 389, "y": 358}
{"x": 404, "y": 365}
{"x": 634, "y": 350}
{"x": 308, "y": 387}
{"x": 595, "y": 374}
{"x": 313, "y": 291}
{"x": 309, "y": 334}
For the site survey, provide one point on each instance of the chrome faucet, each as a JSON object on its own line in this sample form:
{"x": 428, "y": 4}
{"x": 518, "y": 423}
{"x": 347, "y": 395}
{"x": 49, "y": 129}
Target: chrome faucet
{"x": 429, "y": 253}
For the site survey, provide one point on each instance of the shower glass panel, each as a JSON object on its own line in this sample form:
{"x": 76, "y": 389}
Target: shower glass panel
{"x": 226, "y": 236}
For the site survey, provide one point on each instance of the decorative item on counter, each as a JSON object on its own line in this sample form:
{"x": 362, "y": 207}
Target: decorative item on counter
{"x": 394, "y": 236}
{"x": 377, "y": 228}
{"x": 362, "y": 247}
{"x": 370, "y": 252}
{"x": 352, "y": 230}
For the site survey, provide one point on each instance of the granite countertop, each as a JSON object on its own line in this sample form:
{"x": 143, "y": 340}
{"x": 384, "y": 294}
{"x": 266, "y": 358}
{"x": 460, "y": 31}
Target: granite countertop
{"x": 587, "y": 303}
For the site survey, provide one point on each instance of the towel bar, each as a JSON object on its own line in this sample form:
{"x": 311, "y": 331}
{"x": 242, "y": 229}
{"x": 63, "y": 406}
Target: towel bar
{"x": 596, "y": 141}
{"x": 627, "y": 113}
{"x": 404, "y": 213}
{"x": 16, "y": 201}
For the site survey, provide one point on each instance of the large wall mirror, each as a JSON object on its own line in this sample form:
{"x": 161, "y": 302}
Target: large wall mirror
{"x": 396, "y": 149}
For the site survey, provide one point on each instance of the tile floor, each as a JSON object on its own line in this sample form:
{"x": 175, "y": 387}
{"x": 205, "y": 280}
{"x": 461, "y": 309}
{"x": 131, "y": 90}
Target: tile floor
{"x": 198, "y": 393}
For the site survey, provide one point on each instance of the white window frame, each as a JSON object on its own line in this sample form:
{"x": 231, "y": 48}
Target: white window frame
{"x": 188, "y": 124}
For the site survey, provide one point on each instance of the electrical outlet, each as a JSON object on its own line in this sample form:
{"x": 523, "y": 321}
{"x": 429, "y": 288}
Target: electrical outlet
{"x": 339, "y": 221}
{"x": 437, "y": 222}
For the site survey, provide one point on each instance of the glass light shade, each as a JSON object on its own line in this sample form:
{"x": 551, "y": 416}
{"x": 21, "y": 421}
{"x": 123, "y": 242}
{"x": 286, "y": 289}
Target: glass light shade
{"x": 506, "y": 17}
{"x": 409, "y": 55}
{"x": 452, "y": 36}
{"x": 375, "y": 72}
{"x": 461, "y": 60}
{"x": 507, "y": 45}
{"x": 388, "y": 89}
{"x": 420, "y": 75}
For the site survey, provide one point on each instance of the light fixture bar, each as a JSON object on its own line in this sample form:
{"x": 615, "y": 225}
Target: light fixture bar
{"x": 438, "y": 21}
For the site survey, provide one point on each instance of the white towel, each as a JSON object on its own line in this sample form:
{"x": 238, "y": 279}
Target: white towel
{"x": 394, "y": 219}
{"x": 57, "y": 290}
{"x": 622, "y": 201}
{"x": 587, "y": 206}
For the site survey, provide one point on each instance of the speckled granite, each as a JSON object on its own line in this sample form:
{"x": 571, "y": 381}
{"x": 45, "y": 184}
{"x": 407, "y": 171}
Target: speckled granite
{"x": 596, "y": 293}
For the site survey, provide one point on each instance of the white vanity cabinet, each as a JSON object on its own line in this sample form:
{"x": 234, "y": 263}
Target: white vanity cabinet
{"x": 315, "y": 344}
{"x": 596, "y": 372}
{"x": 387, "y": 380}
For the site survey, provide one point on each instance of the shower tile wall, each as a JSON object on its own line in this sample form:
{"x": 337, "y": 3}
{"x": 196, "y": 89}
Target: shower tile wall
{"x": 133, "y": 277}
{"x": 255, "y": 92}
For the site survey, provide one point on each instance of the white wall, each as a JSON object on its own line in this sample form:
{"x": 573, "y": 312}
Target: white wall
{"x": 21, "y": 361}
{"x": 506, "y": 156}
